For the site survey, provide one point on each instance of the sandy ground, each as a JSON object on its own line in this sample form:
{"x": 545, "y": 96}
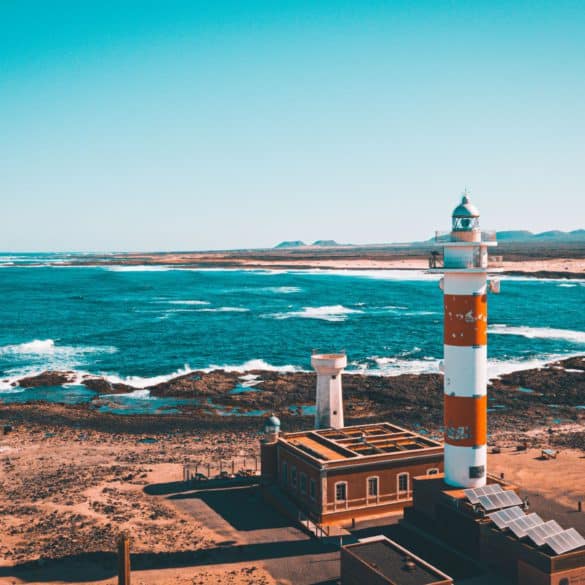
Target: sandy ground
{"x": 571, "y": 265}
{"x": 70, "y": 495}
{"x": 553, "y": 486}
{"x": 542, "y": 258}
{"x": 66, "y": 494}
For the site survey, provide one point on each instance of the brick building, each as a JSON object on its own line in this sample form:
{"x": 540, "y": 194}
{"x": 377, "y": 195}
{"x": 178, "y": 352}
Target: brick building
{"x": 349, "y": 473}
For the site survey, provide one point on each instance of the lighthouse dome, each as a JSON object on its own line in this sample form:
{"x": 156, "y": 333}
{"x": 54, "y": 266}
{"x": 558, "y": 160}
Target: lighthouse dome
{"x": 466, "y": 208}
{"x": 272, "y": 424}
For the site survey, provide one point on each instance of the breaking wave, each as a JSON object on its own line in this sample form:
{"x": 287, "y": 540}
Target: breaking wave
{"x": 49, "y": 347}
{"x": 539, "y": 333}
{"x": 188, "y": 302}
{"x": 223, "y": 310}
{"x": 327, "y": 313}
{"x": 257, "y": 364}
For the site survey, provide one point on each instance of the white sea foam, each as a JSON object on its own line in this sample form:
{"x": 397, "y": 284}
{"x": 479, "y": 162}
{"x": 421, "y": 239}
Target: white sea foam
{"x": 50, "y": 348}
{"x": 395, "y": 366}
{"x": 398, "y": 365}
{"x": 188, "y": 302}
{"x": 138, "y": 268}
{"x": 37, "y": 346}
{"x": 146, "y": 382}
{"x": 405, "y": 275}
{"x": 325, "y": 313}
{"x": 257, "y": 364}
{"x": 136, "y": 394}
{"x": 539, "y": 333}
{"x": 223, "y": 310}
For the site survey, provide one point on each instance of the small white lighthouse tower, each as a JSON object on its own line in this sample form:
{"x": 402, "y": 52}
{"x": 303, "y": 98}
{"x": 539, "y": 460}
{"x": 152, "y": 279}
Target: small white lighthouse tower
{"x": 329, "y": 403}
{"x": 465, "y": 269}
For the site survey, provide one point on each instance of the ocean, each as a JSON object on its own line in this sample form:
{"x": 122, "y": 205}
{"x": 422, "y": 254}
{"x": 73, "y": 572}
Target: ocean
{"x": 145, "y": 324}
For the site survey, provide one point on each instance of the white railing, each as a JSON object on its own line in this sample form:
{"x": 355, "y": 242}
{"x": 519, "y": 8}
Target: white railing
{"x": 446, "y": 236}
{"x": 366, "y": 502}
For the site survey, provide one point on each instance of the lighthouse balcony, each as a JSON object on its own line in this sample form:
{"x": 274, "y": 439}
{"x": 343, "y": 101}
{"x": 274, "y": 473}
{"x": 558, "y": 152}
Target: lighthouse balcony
{"x": 464, "y": 259}
{"x": 466, "y": 237}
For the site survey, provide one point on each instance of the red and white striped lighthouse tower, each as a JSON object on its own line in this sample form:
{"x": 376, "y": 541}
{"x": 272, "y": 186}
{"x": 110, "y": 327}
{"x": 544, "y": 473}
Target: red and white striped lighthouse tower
{"x": 465, "y": 269}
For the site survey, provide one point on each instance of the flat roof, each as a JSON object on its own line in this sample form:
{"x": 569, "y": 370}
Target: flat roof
{"x": 358, "y": 442}
{"x": 389, "y": 559}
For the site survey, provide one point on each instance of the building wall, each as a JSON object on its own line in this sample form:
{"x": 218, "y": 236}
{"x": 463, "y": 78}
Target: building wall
{"x": 528, "y": 575}
{"x": 324, "y": 505}
{"x": 268, "y": 460}
{"x": 357, "y": 481}
{"x": 304, "y": 500}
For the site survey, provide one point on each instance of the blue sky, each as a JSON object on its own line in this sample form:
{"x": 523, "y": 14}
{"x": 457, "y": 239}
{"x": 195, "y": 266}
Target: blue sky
{"x": 201, "y": 125}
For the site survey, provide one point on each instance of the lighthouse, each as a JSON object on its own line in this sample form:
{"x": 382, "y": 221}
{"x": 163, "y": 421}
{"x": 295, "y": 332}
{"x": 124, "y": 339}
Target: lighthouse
{"x": 329, "y": 400}
{"x": 465, "y": 286}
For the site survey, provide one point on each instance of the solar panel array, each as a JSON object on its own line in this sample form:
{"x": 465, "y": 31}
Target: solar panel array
{"x": 565, "y": 541}
{"x": 473, "y": 494}
{"x": 500, "y": 500}
{"x": 510, "y": 516}
{"x": 503, "y": 517}
{"x": 521, "y": 526}
{"x": 540, "y": 533}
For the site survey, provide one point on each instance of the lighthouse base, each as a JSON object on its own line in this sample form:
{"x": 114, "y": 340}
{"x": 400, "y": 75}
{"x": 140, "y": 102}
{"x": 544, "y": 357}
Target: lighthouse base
{"x": 465, "y": 467}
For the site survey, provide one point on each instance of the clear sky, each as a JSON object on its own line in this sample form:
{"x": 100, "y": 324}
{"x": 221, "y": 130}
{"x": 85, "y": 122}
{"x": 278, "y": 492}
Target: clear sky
{"x": 199, "y": 125}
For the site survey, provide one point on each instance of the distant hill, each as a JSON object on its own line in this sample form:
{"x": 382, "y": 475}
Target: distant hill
{"x": 550, "y": 236}
{"x": 553, "y": 236}
{"x": 326, "y": 243}
{"x": 514, "y": 236}
{"x": 291, "y": 244}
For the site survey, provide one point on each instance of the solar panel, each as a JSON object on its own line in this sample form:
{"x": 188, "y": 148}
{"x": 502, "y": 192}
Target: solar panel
{"x": 509, "y": 498}
{"x": 522, "y": 525}
{"x": 565, "y": 541}
{"x": 503, "y": 517}
{"x": 540, "y": 533}
{"x": 500, "y": 500}
{"x": 473, "y": 494}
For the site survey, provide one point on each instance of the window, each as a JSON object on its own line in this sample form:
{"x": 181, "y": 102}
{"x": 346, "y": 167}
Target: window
{"x": 293, "y": 477}
{"x": 341, "y": 491}
{"x": 303, "y": 482}
{"x": 312, "y": 489}
{"x": 372, "y": 486}
{"x": 284, "y": 472}
{"x": 433, "y": 471}
{"x": 403, "y": 482}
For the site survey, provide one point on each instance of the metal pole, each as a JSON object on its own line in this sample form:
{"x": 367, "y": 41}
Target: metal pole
{"x": 124, "y": 559}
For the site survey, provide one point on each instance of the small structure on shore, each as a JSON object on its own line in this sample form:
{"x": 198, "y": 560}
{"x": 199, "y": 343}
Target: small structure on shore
{"x": 329, "y": 401}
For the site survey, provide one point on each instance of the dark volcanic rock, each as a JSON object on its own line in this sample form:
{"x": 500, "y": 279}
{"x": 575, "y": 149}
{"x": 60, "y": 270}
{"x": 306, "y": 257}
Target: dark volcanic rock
{"x": 552, "y": 384}
{"x": 197, "y": 384}
{"x": 102, "y": 386}
{"x": 48, "y": 378}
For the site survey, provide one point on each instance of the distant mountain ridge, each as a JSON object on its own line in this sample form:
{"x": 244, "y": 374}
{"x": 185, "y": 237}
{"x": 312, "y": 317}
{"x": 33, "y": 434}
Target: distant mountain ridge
{"x": 552, "y": 235}
{"x": 301, "y": 244}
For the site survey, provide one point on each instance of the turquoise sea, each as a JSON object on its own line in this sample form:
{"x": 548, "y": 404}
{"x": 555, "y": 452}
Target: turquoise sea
{"x": 148, "y": 324}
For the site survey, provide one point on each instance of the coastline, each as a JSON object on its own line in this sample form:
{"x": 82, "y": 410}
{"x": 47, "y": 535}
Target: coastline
{"x": 542, "y": 261}
{"x": 219, "y": 399}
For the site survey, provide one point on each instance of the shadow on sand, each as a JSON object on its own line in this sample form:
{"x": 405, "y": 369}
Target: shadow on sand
{"x": 102, "y": 565}
{"x": 241, "y": 507}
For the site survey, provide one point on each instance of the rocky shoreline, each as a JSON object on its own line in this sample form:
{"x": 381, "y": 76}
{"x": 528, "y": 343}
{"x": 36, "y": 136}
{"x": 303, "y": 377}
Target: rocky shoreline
{"x": 518, "y": 402}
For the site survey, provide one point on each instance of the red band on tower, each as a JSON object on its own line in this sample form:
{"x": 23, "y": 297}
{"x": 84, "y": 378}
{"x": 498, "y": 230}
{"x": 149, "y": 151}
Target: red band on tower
{"x": 465, "y": 320}
{"x": 466, "y": 420}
